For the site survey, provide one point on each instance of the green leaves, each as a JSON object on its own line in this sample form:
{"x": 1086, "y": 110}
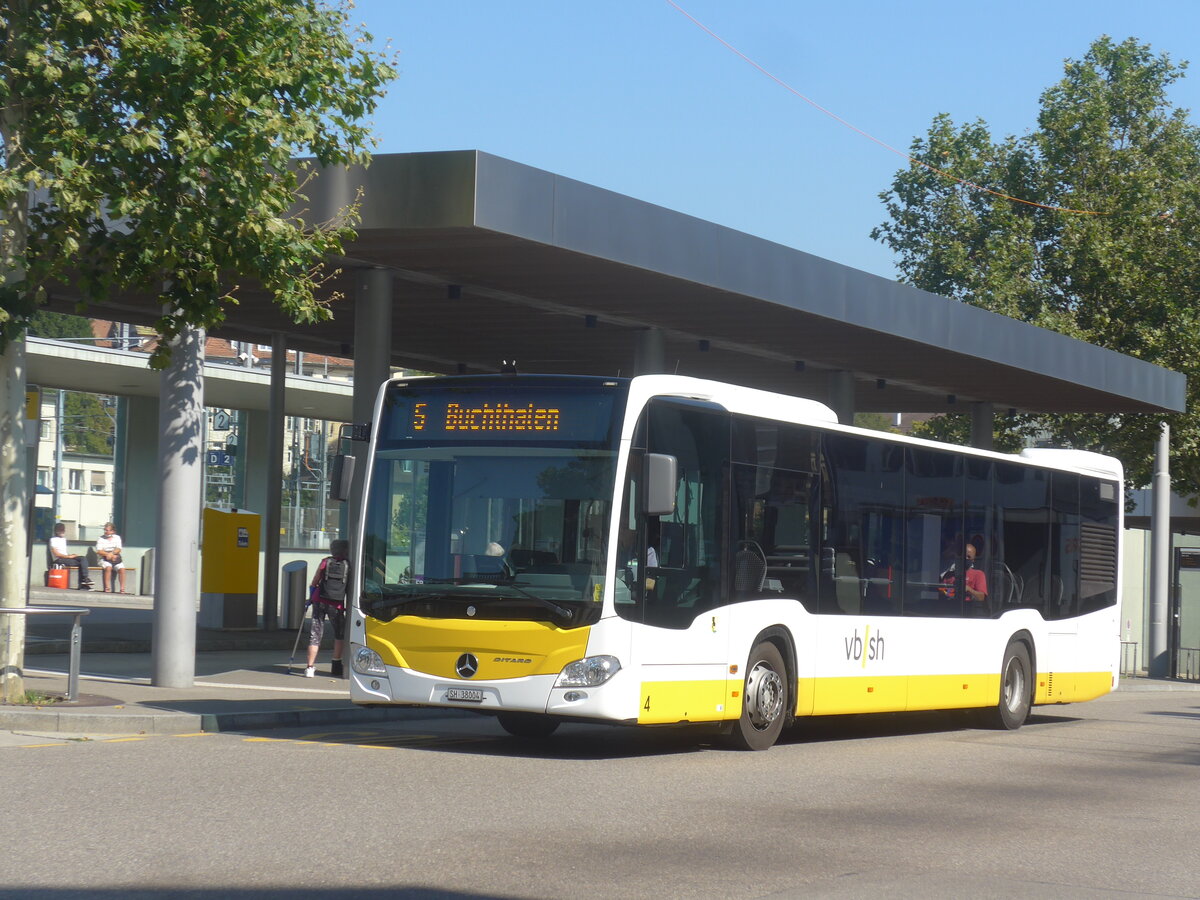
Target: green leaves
{"x": 1103, "y": 249}
{"x": 160, "y": 135}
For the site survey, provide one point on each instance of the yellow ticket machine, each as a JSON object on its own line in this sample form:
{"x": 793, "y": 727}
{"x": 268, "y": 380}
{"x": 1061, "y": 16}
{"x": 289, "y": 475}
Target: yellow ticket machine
{"x": 229, "y": 569}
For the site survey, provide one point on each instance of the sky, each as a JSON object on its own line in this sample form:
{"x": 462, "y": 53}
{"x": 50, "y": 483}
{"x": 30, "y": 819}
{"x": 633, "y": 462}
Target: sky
{"x": 632, "y": 96}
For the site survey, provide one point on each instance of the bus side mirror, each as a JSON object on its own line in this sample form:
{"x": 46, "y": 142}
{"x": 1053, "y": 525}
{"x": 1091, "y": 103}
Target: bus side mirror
{"x": 341, "y": 477}
{"x": 661, "y": 476}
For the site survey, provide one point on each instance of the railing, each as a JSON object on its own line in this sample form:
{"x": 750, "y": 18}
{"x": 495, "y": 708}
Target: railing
{"x": 77, "y": 613}
{"x": 1129, "y": 651}
{"x": 1187, "y": 664}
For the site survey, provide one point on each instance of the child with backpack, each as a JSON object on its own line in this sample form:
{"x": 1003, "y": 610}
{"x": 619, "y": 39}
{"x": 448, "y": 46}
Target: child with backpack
{"x": 328, "y": 595}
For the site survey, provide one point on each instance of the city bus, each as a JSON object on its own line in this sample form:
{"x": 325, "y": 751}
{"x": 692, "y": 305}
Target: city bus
{"x": 667, "y": 550}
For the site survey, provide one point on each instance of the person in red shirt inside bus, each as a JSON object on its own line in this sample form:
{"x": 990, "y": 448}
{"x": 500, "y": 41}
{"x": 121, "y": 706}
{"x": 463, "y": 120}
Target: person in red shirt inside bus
{"x": 976, "y": 581}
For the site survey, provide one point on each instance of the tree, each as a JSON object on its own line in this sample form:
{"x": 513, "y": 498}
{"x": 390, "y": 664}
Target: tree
{"x": 1106, "y": 247}
{"x": 147, "y": 145}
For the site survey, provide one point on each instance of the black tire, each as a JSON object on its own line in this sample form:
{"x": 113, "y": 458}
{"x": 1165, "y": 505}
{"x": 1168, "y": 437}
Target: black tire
{"x": 527, "y": 725}
{"x": 764, "y": 700}
{"x": 1016, "y": 690}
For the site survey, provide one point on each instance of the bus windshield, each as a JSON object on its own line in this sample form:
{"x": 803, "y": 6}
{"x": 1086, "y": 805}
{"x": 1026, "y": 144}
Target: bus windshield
{"x": 506, "y": 520}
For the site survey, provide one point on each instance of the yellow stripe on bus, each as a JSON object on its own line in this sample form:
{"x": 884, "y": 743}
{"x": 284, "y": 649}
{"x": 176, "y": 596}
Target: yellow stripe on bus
{"x": 664, "y": 702}
{"x": 1071, "y": 687}
{"x": 667, "y": 702}
{"x": 503, "y": 649}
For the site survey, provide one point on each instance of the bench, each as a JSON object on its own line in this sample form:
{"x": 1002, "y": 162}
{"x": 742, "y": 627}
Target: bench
{"x": 96, "y": 573}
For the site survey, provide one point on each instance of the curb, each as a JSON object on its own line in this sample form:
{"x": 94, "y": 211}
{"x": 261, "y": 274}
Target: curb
{"x": 1144, "y": 685}
{"x": 51, "y": 721}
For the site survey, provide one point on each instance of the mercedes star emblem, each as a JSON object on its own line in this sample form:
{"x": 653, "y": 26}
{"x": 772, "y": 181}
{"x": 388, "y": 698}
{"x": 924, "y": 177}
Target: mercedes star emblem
{"x": 466, "y": 666}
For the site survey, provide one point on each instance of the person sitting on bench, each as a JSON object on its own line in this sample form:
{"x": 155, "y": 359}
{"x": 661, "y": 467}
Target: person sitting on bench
{"x": 64, "y": 558}
{"x": 108, "y": 549}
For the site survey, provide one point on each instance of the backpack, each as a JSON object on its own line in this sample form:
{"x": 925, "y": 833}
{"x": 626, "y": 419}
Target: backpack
{"x": 333, "y": 584}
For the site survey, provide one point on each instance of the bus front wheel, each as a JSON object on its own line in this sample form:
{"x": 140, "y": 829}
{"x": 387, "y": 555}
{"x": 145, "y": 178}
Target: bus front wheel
{"x": 1016, "y": 689}
{"x": 764, "y": 700}
{"x": 527, "y": 725}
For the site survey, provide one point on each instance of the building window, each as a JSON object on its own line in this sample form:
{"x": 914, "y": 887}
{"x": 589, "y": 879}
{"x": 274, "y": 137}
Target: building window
{"x": 99, "y": 483}
{"x": 44, "y": 478}
{"x": 74, "y": 479}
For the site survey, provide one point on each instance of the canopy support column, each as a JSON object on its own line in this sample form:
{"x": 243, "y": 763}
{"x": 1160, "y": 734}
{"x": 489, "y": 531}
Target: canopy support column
{"x": 372, "y": 367}
{"x": 180, "y": 468}
{"x": 841, "y": 395}
{"x": 650, "y": 352}
{"x": 981, "y": 425}
{"x": 1160, "y": 557}
{"x": 273, "y": 514}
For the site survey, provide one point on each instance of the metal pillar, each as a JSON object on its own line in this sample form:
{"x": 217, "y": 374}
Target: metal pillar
{"x": 841, "y": 395}
{"x": 120, "y": 464}
{"x": 181, "y": 470}
{"x": 650, "y": 352}
{"x": 981, "y": 425}
{"x": 372, "y": 366}
{"x": 273, "y": 514}
{"x": 1160, "y": 557}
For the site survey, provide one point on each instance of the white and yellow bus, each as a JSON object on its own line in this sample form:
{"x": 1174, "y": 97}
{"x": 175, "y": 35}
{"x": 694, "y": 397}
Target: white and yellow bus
{"x": 664, "y": 550}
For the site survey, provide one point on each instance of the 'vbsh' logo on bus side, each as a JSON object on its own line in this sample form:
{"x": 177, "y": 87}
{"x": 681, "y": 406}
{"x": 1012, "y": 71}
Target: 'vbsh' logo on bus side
{"x": 864, "y": 647}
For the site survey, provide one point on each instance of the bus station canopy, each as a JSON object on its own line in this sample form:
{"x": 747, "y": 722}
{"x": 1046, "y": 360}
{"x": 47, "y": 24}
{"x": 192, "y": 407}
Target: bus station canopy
{"x": 495, "y": 261}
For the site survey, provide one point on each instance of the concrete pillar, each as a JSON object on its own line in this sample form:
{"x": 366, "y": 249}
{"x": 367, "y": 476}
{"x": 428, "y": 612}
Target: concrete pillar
{"x": 841, "y": 396}
{"x": 273, "y": 514}
{"x": 981, "y": 426}
{"x": 181, "y": 471}
{"x": 1158, "y": 659}
{"x": 649, "y": 352}
{"x": 138, "y": 521}
{"x": 372, "y": 366}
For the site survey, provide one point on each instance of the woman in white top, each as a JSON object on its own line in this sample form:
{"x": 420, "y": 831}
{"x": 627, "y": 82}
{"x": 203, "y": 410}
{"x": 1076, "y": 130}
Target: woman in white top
{"x": 108, "y": 549}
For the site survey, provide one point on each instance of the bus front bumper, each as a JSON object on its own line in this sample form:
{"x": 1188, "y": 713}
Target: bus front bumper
{"x": 534, "y": 694}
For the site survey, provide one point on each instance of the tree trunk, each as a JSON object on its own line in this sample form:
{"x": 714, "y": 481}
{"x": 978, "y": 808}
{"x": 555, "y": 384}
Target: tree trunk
{"x": 14, "y": 559}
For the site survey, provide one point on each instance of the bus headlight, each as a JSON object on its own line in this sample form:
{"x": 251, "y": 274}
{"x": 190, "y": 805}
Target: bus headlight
{"x": 366, "y": 661}
{"x": 588, "y": 672}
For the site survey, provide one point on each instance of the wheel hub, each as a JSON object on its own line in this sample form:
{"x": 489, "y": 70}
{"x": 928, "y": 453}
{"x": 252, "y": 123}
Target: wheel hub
{"x": 764, "y": 696}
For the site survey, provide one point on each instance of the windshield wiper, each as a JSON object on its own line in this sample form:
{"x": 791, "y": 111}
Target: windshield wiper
{"x": 392, "y": 601}
{"x": 550, "y": 606}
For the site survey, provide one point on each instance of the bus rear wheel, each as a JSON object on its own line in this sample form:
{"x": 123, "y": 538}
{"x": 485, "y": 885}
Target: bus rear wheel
{"x": 527, "y": 725}
{"x": 1016, "y": 690}
{"x": 764, "y": 700}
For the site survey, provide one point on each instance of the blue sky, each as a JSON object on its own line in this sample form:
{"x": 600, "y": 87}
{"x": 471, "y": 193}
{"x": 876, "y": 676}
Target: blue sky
{"x": 631, "y": 96}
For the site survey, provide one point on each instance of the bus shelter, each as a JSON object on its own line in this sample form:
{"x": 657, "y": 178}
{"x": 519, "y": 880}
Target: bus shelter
{"x": 465, "y": 262}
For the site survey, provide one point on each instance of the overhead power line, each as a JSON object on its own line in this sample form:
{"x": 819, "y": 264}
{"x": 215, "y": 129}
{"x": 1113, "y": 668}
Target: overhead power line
{"x": 941, "y": 172}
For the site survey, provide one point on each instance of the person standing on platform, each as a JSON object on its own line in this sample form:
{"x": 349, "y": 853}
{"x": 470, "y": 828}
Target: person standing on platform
{"x": 328, "y": 596}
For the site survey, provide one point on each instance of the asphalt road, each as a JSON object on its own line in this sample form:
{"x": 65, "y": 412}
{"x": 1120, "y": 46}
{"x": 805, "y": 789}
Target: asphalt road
{"x": 1095, "y": 800}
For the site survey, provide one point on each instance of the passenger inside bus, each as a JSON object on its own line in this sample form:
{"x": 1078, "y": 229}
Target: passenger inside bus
{"x": 975, "y": 585}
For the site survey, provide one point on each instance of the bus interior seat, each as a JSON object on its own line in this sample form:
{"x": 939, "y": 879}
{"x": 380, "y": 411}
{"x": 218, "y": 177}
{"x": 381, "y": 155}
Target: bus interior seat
{"x": 848, "y": 584}
{"x": 749, "y": 568}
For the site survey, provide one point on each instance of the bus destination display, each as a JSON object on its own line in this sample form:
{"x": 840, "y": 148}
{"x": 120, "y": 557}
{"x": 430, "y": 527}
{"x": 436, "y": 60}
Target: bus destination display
{"x": 571, "y": 415}
{"x": 498, "y": 416}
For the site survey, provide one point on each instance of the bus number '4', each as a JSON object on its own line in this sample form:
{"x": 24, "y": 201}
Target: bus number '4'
{"x": 647, "y": 706}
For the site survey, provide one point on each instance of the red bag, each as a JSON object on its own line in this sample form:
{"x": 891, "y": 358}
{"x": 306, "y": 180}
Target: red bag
{"x": 57, "y": 578}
